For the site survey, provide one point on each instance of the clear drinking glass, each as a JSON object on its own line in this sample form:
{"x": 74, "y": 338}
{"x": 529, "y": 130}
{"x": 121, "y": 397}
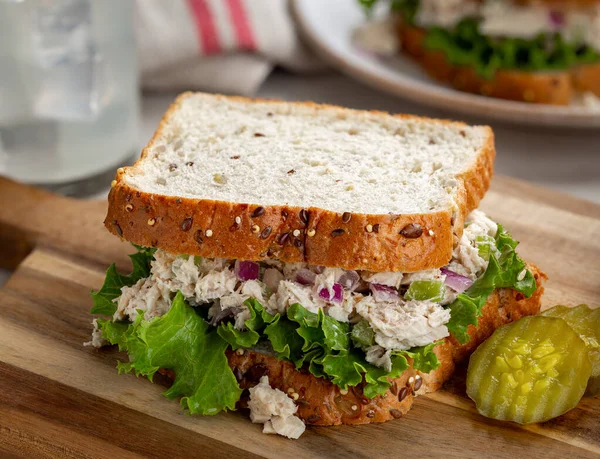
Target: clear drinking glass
{"x": 69, "y": 96}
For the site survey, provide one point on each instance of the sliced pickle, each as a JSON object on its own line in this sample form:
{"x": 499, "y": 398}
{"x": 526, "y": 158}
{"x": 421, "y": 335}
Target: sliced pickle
{"x": 532, "y": 370}
{"x": 586, "y": 322}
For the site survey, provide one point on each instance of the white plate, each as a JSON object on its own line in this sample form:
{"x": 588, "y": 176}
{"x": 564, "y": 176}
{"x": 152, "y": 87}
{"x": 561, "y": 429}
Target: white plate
{"x": 328, "y": 26}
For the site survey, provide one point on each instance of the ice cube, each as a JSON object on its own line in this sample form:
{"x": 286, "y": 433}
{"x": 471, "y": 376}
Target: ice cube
{"x": 71, "y": 71}
{"x": 73, "y": 91}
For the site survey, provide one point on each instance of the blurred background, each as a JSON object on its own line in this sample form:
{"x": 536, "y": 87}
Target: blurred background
{"x": 84, "y": 83}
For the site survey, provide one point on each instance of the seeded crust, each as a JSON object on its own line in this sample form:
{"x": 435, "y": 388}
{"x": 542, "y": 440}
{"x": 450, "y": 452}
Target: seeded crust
{"x": 380, "y": 243}
{"x": 549, "y": 87}
{"x": 321, "y": 403}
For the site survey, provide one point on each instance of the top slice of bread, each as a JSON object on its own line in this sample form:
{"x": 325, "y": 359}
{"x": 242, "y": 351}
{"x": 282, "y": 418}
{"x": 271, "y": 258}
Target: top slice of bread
{"x": 250, "y": 179}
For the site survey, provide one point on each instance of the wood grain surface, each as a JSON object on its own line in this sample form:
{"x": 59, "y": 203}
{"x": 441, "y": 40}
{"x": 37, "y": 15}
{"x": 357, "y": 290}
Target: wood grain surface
{"x": 60, "y": 399}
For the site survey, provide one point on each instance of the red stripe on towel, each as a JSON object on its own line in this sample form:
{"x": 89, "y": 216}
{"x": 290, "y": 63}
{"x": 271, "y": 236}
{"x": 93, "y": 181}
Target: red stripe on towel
{"x": 243, "y": 31}
{"x": 205, "y": 27}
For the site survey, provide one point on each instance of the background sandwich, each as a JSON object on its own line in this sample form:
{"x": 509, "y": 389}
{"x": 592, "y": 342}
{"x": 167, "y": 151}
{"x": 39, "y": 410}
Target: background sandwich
{"x": 540, "y": 51}
{"x": 331, "y": 261}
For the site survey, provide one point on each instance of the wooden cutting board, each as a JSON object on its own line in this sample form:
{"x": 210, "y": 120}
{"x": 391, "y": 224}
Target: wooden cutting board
{"x": 60, "y": 399}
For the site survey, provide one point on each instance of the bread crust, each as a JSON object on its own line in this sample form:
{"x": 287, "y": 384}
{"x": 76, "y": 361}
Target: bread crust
{"x": 320, "y": 402}
{"x": 317, "y": 236}
{"x": 548, "y": 87}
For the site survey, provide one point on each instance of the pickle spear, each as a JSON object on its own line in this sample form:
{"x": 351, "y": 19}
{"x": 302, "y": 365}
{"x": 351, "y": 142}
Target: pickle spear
{"x": 532, "y": 370}
{"x": 586, "y": 322}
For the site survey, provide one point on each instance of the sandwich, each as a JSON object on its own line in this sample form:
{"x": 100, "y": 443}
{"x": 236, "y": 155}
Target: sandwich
{"x": 538, "y": 51}
{"x": 313, "y": 264}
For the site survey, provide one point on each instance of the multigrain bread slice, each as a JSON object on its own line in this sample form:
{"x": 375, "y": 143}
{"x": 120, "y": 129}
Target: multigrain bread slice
{"x": 320, "y": 402}
{"x": 550, "y": 87}
{"x": 300, "y": 182}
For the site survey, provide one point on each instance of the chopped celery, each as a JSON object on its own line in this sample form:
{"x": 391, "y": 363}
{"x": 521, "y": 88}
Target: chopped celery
{"x": 421, "y": 290}
{"x": 362, "y": 334}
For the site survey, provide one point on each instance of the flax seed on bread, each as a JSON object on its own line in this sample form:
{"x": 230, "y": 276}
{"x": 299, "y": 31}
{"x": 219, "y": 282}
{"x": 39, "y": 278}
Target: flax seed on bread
{"x": 216, "y": 160}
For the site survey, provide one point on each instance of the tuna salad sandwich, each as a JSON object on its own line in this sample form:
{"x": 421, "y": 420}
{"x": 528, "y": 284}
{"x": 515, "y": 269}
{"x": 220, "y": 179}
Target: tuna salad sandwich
{"x": 539, "y": 51}
{"x": 315, "y": 264}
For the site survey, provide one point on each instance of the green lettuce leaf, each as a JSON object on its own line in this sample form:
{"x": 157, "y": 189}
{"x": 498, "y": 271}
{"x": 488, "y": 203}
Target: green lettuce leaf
{"x": 344, "y": 368}
{"x": 302, "y": 316}
{"x": 184, "y": 342}
{"x": 465, "y": 45}
{"x": 424, "y": 358}
{"x": 114, "y": 332}
{"x": 249, "y": 337}
{"x": 347, "y": 369}
{"x": 313, "y": 338}
{"x": 286, "y": 342}
{"x": 113, "y": 282}
{"x": 336, "y": 334}
{"x": 502, "y": 272}
{"x": 463, "y": 312}
{"x": 511, "y": 266}
{"x": 318, "y": 327}
{"x": 377, "y": 378}
{"x": 137, "y": 351}
{"x": 238, "y": 338}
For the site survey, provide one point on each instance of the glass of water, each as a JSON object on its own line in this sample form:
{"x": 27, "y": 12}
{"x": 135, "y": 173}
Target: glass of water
{"x": 69, "y": 95}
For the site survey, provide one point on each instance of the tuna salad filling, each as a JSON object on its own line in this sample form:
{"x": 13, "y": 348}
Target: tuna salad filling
{"x": 351, "y": 327}
{"x": 505, "y": 34}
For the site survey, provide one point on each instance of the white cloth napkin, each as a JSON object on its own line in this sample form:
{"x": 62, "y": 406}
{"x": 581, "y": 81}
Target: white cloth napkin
{"x": 227, "y": 46}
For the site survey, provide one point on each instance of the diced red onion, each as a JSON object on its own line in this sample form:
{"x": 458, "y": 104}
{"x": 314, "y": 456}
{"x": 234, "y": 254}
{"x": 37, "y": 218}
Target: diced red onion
{"x": 246, "y": 270}
{"x": 338, "y": 293}
{"x": 349, "y": 280}
{"x": 384, "y": 292}
{"x": 305, "y": 276}
{"x": 455, "y": 281}
{"x": 272, "y": 277}
{"x": 337, "y": 296}
{"x": 557, "y": 18}
{"x": 319, "y": 269}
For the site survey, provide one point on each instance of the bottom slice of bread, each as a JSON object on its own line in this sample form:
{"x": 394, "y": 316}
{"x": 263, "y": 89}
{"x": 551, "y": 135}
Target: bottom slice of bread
{"x": 320, "y": 402}
{"x": 548, "y": 87}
